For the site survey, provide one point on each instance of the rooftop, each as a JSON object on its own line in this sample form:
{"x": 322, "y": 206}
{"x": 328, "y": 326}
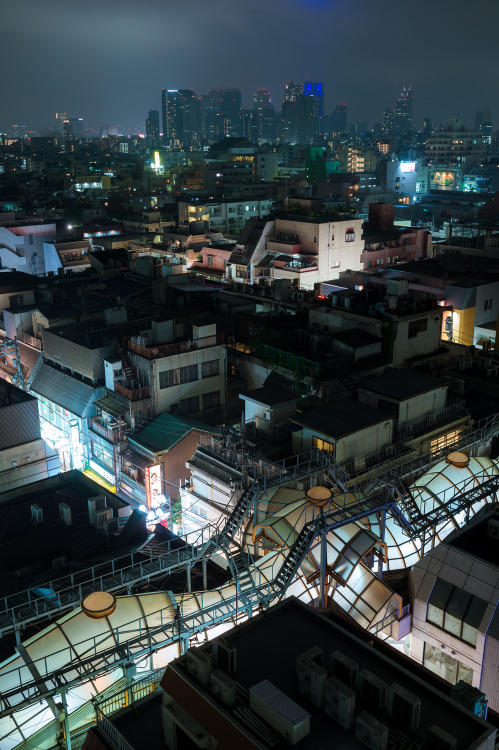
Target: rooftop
{"x": 166, "y": 431}
{"x": 340, "y": 418}
{"x": 475, "y": 539}
{"x": 402, "y": 384}
{"x": 296, "y": 628}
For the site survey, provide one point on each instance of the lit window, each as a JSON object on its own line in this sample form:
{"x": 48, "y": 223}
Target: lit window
{"x": 349, "y": 235}
{"x": 322, "y": 445}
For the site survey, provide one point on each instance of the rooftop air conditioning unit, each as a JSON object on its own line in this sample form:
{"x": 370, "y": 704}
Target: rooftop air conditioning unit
{"x": 223, "y": 688}
{"x": 440, "y": 739}
{"x": 371, "y": 732}
{"x": 225, "y": 655}
{"x": 339, "y": 703}
{"x": 95, "y": 504}
{"x": 199, "y": 665}
{"x": 102, "y": 518}
{"x": 373, "y": 690}
{"x": 311, "y": 681}
{"x": 36, "y": 515}
{"x": 404, "y": 707}
{"x": 112, "y": 526}
{"x": 344, "y": 669}
{"x": 65, "y": 514}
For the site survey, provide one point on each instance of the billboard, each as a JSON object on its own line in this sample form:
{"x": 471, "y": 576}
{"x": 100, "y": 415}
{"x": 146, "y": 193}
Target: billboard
{"x": 153, "y": 484}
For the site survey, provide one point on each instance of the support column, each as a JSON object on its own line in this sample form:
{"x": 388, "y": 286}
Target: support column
{"x": 67, "y": 733}
{"x": 205, "y": 575}
{"x": 323, "y": 568}
{"x": 189, "y": 587}
{"x": 382, "y": 535}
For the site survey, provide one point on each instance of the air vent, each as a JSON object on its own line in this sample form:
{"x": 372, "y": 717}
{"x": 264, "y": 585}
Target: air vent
{"x": 311, "y": 681}
{"x": 225, "y": 656}
{"x": 199, "y": 665}
{"x": 371, "y": 732}
{"x": 404, "y": 707}
{"x": 339, "y": 703}
{"x": 36, "y": 515}
{"x": 344, "y": 669}
{"x": 373, "y": 690}
{"x": 223, "y": 688}
{"x": 65, "y": 514}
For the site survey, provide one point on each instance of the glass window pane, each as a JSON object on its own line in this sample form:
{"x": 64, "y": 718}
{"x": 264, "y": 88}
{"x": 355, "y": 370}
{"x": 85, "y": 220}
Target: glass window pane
{"x": 437, "y": 602}
{"x": 472, "y": 619}
{"x": 454, "y": 612}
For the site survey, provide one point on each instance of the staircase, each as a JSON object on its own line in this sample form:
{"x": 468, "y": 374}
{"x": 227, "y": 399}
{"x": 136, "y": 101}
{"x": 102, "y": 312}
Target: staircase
{"x": 346, "y": 379}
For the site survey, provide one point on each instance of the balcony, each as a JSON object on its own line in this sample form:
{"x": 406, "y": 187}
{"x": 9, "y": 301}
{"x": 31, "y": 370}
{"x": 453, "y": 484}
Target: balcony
{"x": 290, "y": 247}
{"x": 178, "y": 347}
{"x": 132, "y": 394}
{"x": 112, "y": 433}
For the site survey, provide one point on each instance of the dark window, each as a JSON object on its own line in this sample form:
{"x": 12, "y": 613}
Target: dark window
{"x": 189, "y": 405}
{"x": 168, "y": 378}
{"x": 208, "y": 369}
{"x": 457, "y": 612}
{"x": 211, "y": 399}
{"x": 16, "y": 300}
{"x": 188, "y": 374}
{"x": 417, "y": 326}
{"x": 349, "y": 235}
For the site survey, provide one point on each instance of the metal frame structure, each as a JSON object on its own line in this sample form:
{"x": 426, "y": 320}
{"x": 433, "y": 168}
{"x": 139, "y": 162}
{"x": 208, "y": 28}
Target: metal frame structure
{"x": 249, "y": 591}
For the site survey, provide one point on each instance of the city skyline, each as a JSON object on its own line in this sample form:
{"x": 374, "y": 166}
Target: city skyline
{"x": 106, "y": 67}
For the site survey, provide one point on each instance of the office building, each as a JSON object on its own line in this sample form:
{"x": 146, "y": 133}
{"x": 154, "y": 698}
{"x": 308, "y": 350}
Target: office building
{"x": 152, "y": 129}
{"x": 339, "y": 119}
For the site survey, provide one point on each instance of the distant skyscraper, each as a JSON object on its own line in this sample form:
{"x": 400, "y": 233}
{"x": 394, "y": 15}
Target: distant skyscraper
{"x": 315, "y": 89}
{"x": 427, "y": 125}
{"x": 152, "y": 129}
{"x": 264, "y": 109}
{"x": 261, "y": 100}
{"x": 181, "y": 115}
{"x": 339, "y": 119}
{"x": 388, "y": 120}
{"x": 291, "y": 91}
{"x": 481, "y": 117}
{"x": 230, "y": 109}
{"x": 307, "y": 119}
{"x": 402, "y": 122}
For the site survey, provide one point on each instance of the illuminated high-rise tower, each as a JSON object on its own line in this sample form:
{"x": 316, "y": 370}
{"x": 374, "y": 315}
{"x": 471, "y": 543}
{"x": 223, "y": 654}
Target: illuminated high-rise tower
{"x": 292, "y": 90}
{"x": 402, "y": 122}
{"x": 315, "y": 89}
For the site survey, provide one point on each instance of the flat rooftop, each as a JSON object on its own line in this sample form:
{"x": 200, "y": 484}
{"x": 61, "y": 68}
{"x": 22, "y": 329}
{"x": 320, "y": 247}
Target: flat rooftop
{"x": 474, "y": 538}
{"x": 267, "y": 649}
{"x": 402, "y": 384}
{"x": 340, "y": 418}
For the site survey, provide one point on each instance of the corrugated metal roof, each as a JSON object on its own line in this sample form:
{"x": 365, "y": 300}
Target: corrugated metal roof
{"x": 62, "y": 389}
{"x": 166, "y": 431}
{"x": 111, "y": 406}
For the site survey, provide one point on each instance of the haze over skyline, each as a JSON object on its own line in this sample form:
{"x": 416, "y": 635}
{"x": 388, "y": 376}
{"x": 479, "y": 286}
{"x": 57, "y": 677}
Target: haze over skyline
{"x": 108, "y": 62}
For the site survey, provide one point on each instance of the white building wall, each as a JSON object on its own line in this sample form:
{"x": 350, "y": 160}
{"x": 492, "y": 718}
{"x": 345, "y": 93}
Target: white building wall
{"x": 359, "y": 443}
{"x": 165, "y": 397}
{"x": 412, "y": 408}
{"x": 425, "y": 342}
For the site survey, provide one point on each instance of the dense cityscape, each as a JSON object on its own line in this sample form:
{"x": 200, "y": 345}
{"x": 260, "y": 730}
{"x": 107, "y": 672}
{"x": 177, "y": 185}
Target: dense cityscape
{"x": 249, "y": 404}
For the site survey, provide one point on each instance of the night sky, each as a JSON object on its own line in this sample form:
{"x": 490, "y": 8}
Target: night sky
{"x": 107, "y": 60}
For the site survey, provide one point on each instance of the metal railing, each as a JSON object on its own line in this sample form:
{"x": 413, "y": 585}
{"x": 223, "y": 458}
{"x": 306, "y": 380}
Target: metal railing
{"x": 119, "y": 742}
{"x": 435, "y": 419}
